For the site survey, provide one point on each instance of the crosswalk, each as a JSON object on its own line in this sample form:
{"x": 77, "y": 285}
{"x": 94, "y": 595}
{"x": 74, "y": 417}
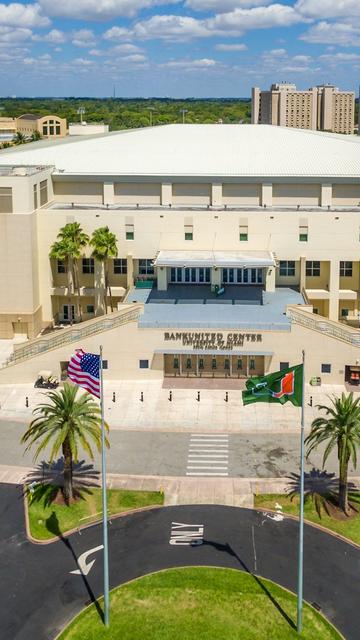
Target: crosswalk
{"x": 208, "y": 455}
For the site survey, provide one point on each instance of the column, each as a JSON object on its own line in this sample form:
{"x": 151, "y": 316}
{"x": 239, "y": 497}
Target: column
{"x": 334, "y": 290}
{"x": 302, "y": 273}
{"x": 270, "y": 279}
{"x": 216, "y": 194}
{"x": 166, "y": 193}
{"x": 99, "y": 281}
{"x": 130, "y": 271}
{"x": 215, "y": 276}
{"x": 266, "y": 194}
{"x": 162, "y": 281}
{"x": 326, "y": 195}
{"x": 108, "y": 193}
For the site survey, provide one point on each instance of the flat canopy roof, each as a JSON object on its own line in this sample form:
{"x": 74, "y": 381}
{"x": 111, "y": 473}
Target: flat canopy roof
{"x": 215, "y": 259}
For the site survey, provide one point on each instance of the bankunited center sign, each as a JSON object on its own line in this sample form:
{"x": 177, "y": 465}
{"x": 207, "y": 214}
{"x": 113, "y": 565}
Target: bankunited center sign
{"x": 213, "y": 341}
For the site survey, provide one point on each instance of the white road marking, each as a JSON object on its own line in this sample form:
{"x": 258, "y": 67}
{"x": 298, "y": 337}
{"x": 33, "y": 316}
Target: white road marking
{"x": 186, "y": 534}
{"x": 208, "y": 454}
{"x": 208, "y": 473}
{"x": 83, "y": 567}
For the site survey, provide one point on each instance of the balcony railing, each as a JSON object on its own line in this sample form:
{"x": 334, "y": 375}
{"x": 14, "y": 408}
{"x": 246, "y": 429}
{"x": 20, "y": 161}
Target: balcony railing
{"x": 76, "y": 333}
{"x": 324, "y": 325}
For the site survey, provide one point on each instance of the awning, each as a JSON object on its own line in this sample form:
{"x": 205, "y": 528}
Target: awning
{"x": 239, "y": 259}
{"x": 212, "y": 352}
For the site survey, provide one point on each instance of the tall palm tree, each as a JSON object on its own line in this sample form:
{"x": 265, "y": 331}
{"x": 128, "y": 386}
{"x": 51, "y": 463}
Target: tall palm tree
{"x": 340, "y": 428}
{"x": 104, "y": 246}
{"x": 66, "y": 423}
{"x": 71, "y": 241}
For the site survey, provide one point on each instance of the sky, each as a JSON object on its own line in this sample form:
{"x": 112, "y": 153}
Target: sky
{"x": 176, "y": 48}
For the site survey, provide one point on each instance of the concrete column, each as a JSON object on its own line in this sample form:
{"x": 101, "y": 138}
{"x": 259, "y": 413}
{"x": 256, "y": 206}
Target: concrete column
{"x": 302, "y": 273}
{"x": 166, "y": 193}
{"x": 334, "y": 290}
{"x": 130, "y": 271}
{"x": 326, "y": 195}
{"x": 99, "y": 281}
{"x": 255, "y": 105}
{"x": 266, "y": 194}
{"x": 216, "y": 194}
{"x": 270, "y": 279}
{"x": 216, "y": 276}
{"x": 162, "y": 280}
{"x": 108, "y": 193}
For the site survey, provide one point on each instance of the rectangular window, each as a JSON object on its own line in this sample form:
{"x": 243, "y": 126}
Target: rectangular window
{"x": 326, "y": 368}
{"x": 312, "y": 267}
{"x": 88, "y": 265}
{"x": 35, "y": 196}
{"x": 303, "y": 232}
{"x": 146, "y": 267}
{"x": 43, "y": 192}
{"x": 239, "y": 364}
{"x": 6, "y": 204}
{"x": 243, "y": 230}
{"x": 45, "y": 131}
{"x": 90, "y": 308}
{"x": 143, "y": 364}
{"x": 243, "y": 237}
{"x": 252, "y": 364}
{"x": 189, "y": 232}
{"x": 57, "y": 130}
{"x": 287, "y": 267}
{"x": 346, "y": 268}
{"x": 61, "y": 266}
{"x": 120, "y": 265}
{"x": 303, "y": 237}
{"x": 129, "y": 232}
{"x": 344, "y": 313}
{"x": 283, "y": 365}
{"x": 105, "y": 364}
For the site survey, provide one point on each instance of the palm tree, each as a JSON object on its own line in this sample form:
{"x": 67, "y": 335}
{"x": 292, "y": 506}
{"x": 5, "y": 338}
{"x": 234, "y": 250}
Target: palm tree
{"x": 66, "y": 423}
{"x": 104, "y": 246}
{"x": 35, "y": 136}
{"x": 19, "y": 138}
{"x": 71, "y": 240}
{"x": 340, "y": 428}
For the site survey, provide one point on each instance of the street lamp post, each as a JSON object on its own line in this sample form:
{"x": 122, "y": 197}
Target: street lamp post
{"x": 81, "y": 111}
{"x": 183, "y": 111}
{"x": 150, "y": 110}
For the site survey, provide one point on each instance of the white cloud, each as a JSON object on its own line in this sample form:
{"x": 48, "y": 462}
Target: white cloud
{"x": 54, "y": 37}
{"x": 202, "y": 63}
{"x": 126, "y": 48}
{"x": 96, "y": 52}
{"x": 98, "y": 9}
{"x": 83, "y": 62}
{"x": 329, "y": 8}
{"x": 277, "y": 53}
{"x": 83, "y": 38}
{"x": 136, "y": 57}
{"x": 116, "y": 33}
{"x": 171, "y": 28}
{"x": 222, "y": 6}
{"x": 231, "y": 47}
{"x": 335, "y": 58}
{"x": 333, "y": 33}
{"x": 10, "y": 36}
{"x": 22, "y": 15}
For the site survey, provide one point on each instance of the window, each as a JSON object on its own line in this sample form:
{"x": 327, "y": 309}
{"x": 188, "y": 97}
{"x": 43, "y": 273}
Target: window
{"x": 105, "y": 364}
{"x": 120, "y": 265}
{"x": 316, "y": 310}
{"x": 326, "y": 368}
{"x": 188, "y": 363}
{"x": 6, "y": 205}
{"x": 45, "y": 130}
{"x": 90, "y": 308}
{"x": 144, "y": 364}
{"x": 201, "y": 363}
{"x": 243, "y": 230}
{"x": 303, "y": 237}
{"x": 61, "y": 266}
{"x": 239, "y": 365}
{"x": 88, "y": 265}
{"x": 287, "y": 267}
{"x": 35, "y": 196}
{"x": 312, "y": 268}
{"x": 346, "y": 268}
{"x": 58, "y": 130}
{"x": 252, "y": 364}
{"x": 176, "y": 363}
{"x": 344, "y": 313}
{"x": 213, "y": 363}
{"x": 43, "y": 192}
{"x": 303, "y": 232}
{"x": 243, "y": 237}
{"x": 189, "y": 232}
{"x": 227, "y": 364}
{"x": 284, "y": 365}
{"x": 129, "y": 232}
{"x": 146, "y": 267}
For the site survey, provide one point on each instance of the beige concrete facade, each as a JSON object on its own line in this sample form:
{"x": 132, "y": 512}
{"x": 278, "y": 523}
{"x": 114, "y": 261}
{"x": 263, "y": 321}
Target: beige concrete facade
{"x": 49, "y": 126}
{"x": 322, "y": 108}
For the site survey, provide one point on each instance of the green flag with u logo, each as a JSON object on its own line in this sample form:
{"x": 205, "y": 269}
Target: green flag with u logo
{"x": 281, "y": 386}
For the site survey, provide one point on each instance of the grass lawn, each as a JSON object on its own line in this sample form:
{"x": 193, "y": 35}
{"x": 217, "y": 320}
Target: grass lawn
{"x": 348, "y": 527}
{"x": 50, "y": 519}
{"x": 200, "y": 604}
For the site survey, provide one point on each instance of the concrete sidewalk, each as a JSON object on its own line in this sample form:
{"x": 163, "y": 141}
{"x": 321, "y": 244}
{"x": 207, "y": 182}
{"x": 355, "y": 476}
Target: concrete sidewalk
{"x": 183, "y": 413}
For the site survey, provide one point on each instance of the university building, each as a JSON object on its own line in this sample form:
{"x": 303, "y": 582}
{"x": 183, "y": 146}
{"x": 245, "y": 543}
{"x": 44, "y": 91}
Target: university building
{"x": 324, "y": 107}
{"x": 238, "y": 246}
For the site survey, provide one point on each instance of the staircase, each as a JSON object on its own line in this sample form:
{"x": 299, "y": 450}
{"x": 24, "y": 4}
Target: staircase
{"x": 323, "y": 325}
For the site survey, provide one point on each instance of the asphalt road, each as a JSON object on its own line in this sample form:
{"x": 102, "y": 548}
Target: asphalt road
{"x": 171, "y": 454}
{"x": 39, "y": 595}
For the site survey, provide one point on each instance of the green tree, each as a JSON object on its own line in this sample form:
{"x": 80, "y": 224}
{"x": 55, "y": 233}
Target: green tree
{"x": 71, "y": 241}
{"x": 67, "y": 424}
{"x": 339, "y": 428}
{"x": 19, "y": 138}
{"x": 104, "y": 246}
{"x": 35, "y": 136}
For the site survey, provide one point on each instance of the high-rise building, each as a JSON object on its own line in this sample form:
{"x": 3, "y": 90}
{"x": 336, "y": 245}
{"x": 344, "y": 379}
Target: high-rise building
{"x": 324, "y": 107}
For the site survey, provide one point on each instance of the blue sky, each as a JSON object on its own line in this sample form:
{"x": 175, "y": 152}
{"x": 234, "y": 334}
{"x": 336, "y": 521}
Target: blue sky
{"x": 176, "y": 48}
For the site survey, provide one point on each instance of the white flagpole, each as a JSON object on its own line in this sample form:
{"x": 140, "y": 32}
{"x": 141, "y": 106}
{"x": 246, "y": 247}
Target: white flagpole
{"x": 104, "y": 498}
{"x": 301, "y": 508}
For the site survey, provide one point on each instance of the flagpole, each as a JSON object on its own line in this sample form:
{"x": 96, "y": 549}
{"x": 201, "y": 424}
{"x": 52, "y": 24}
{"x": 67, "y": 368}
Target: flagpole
{"x": 301, "y": 508}
{"x": 104, "y": 498}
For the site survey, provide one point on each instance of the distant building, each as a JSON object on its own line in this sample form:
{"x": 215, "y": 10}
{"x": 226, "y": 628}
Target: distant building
{"x": 87, "y": 129}
{"x": 7, "y": 128}
{"x": 324, "y": 108}
{"x": 49, "y": 126}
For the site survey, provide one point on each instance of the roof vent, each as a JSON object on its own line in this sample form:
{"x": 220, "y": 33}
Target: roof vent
{"x": 19, "y": 171}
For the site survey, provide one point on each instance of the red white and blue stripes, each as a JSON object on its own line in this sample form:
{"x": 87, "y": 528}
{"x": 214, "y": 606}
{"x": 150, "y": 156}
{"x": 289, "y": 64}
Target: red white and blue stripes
{"x": 84, "y": 370}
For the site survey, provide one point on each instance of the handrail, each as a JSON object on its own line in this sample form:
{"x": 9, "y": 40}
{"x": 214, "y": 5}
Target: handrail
{"x": 324, "y": 325}
{"x": 73, "y": 334}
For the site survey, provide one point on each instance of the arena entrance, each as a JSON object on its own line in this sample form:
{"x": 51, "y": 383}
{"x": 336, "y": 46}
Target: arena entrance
{"x": 212, "y": 365}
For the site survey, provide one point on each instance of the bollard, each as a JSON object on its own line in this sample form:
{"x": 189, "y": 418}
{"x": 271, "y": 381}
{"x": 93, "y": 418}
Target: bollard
{"x": 311, "y": 401}
{"x": 170, "y": 396}
{"x": 114, "y": 398}
{"x": 142, "y": 396}
{"x": 26, "y": 401}
{"x": 198, "y": 396}
{"x": 226, "y": 396}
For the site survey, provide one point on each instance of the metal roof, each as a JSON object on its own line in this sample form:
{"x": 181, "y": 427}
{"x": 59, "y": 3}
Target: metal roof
{"x": 201, "y": 150}
{"x": 214, "y": 259}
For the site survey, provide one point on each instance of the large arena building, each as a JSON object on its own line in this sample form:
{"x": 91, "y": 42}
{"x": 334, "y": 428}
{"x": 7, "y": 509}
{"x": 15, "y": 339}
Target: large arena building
{"x": 238, "y": 246}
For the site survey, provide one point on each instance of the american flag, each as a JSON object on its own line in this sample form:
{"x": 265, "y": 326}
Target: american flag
{"x": 84, "y": 370}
